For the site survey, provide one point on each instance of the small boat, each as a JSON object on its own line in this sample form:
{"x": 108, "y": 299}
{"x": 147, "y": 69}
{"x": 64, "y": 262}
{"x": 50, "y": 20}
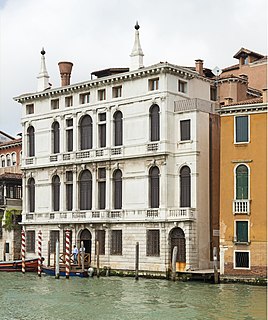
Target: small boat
{"x": 74, "y": 272}
{"x": 31, "y": 265}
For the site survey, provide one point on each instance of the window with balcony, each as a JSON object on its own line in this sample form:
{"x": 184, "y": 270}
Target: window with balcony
{"x": 117, "y": 92}
{"x": 56, "y": 193}
{"x": 54, "y": 236}
{"x": 102, "y": 130}
{"x": 241, "y": 232}
{"x": 69, "y": 134}
{"x": 69, "y": 190}
{"x": 118, "y": 128}
{"x": 101, "y": 95}
{"x": 86, "y": 133}
{"x": 100, "y": 236}
{"x": 241, "y": 129}
{"x": 241, "y": 182}
{"x": 185, "y": 129}
{"x": 185, "y": 187}
{"x": 30, "y": 241}
{"x": 117, "y": 189}
{"x": 116, "y": 242}
{"x": 101, "y": 188}
{"x": 153, "y": 84}
{"x": 182, "y": 86}
{"x": 68, "y": 101}
{"x": 30, "y": 108}
{"x": 55, "y": 104}
{"x": 242, "y": 259}
{"x": 84, "y": 98}
{"x": 31, "y": 195}
{"x": 55, "y": 137}
{"x": 31, "y": 141}
{"x": 153, "y": 243}
{"x": 85, "y": 190}
{"x": 154, "y": 186}
{"x": 154, "y": 123}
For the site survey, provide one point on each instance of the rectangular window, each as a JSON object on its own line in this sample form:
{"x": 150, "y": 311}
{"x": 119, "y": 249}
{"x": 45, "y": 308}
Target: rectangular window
{"x": 242, "y": 231}
{"x": 84, "y": 98}
{"x": 117, "y": 92}
{"x": 153, "y": 243}
{"x": 182, "y": 86}
{"x": 54, "y": 236}
{"x": 69, "y": 134}
{"x": 30, "y": 241}
{"x": 55, "y": 104}
{"x": 185, "y": 128}
{"x": 69, "y": 190}
{"x": 116, "y": 242}
{"x": 153, "y": 84}
{"x": 29, "y": 108}
{"x": 101, "y": 94}
{"x": 101, "y": 188}
{"x": 241, "y": 129}
{"x": 242, "y": 259}
{"x": 102, "y": 130}
{"x": 100, "y": 236}
{"x": 213, "y": 94}
{"x": 68, "y": 101}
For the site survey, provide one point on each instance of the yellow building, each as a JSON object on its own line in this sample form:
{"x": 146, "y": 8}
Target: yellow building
{"x": 243, "y": 189}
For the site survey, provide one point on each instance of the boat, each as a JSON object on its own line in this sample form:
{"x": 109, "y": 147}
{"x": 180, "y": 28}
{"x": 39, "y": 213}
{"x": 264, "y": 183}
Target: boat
{"x": 74, "y": 272}
{"x": 31, "y": 265}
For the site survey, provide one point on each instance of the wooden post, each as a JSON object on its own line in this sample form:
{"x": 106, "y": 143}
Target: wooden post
{"x": 215, "y": 265}
{"x": 48, "y": 253}
{"x": 57, "y": 260}
{"x": 137, "y": 262}
{"x": 4, "y": 251}
{"x": 174, "y": 259}
{"x": 67, "y": 255}
{"x": 82, "y": 256}
{"x": 98, "y": 257}
{"x": 39, "y": 253}
{"x": 23, "y": 251}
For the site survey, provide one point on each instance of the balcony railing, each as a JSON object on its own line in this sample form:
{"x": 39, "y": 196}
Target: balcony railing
{"x": 106, "y": 216}
{"x": 241, "y": 207}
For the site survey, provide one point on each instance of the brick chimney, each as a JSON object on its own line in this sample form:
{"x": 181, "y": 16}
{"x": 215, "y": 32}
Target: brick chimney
{"x": 199, "y": 66}
{"x": 65, "y": 72}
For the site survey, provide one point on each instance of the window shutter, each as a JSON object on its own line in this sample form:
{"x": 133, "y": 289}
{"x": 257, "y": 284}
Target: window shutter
{"x": 241, "y": 182}
{"x": 117, "y": 189}
{"x": 242, "y": 231}
{"x": 154, "y": 187}
{"x": 155, "y": 123}
{"x": 185, "y": 186}
{"x": 86, "y": 133}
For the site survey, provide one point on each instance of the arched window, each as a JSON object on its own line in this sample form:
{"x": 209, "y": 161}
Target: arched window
{"x": 85, "y": 190}
{"x": 3, "y": 161}
{"x": 31, "y": 194}
{"x": 55, "y": 137}
{"x": 154, "y": 123}
{"x": 154, "y": 187}
{"x": 8, "y": 160}
{"x": 31, "y": 142}
{"x": 185, "y": 187}
{"x": 117, "y": 186}
{"x": 13, "y": 159}
{"x": 241, "y": 182}
{"x": 86, "y": 133}
{"x": 118, "y": 128}
{"x": 56, "y": 193}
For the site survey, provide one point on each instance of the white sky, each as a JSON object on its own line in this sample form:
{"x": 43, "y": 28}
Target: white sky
{"x": 98, "y": 34}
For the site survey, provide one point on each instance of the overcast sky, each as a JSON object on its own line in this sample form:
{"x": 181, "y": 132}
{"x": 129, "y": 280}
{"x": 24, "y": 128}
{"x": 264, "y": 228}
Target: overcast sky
{"x": 98, "y": 34}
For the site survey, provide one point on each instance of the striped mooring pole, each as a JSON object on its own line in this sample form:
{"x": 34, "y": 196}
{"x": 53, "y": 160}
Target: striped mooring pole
{"x": 67, "y": 256}
{"x": 39, "y": 253}
{"x": 23, "y": 251}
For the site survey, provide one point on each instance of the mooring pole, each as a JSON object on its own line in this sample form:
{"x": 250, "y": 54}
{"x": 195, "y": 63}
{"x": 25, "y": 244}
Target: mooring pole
{"x": 137, "y": 262}
{"x": 67, "y": 256}
{"x": 174, "y": 259}
{"x": 82, "y": 256}
{"x": 23, "y": 251}
{"x": 98, "y": 257}
{"x": 57, "y": 260}
{"x": 215, "y": 265}
{"x": 48, "y": 253}
{"x": 39, "y": 249}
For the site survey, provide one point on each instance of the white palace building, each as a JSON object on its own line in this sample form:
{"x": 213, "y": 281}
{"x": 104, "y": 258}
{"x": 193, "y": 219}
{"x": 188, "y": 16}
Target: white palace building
{"x": 124, "y": 157}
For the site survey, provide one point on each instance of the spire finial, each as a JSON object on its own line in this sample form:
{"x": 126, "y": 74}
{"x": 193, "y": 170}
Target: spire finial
{"x": 43, "y": 52}
{"x": 43, "y": 77}
{"x": 136, "y": 54}
{"x": 137, "y": 27}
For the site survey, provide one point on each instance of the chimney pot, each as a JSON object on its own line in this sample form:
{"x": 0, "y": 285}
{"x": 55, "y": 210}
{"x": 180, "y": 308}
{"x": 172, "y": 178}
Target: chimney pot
{"x": 199, "y": 66}
{"x": 65, "y": 72}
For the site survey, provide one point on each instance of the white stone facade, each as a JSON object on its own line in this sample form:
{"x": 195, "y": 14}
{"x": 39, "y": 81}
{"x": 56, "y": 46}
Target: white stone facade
{"x": 134, "y": 158}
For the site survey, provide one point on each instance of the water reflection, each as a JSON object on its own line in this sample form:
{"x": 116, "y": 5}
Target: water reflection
{"x": 29, "y": 297}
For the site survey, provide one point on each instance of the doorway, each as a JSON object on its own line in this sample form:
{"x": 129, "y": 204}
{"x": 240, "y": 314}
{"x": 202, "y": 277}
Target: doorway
{"x": 177, "y": 238}
{"x": 86, "y": 237}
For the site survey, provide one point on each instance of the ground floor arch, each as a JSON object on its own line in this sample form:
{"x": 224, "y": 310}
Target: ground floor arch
{"x": 177, "y": 238}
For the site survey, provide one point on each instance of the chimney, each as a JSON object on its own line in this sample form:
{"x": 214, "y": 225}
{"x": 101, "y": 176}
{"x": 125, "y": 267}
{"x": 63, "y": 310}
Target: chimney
{"x": 65, "y": 72}
{"x": 199, "y": 66}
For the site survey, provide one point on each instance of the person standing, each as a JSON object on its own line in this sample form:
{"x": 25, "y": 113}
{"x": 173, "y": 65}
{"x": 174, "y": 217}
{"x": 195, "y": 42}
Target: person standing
{"x": 75, "y": 254}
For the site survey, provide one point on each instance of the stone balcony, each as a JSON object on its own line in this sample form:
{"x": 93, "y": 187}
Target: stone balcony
{"x": 111, "y": 216}
{"x": 241, "y": 206}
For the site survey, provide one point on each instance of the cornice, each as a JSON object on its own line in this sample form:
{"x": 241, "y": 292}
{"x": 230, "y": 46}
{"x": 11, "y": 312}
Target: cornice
{"x": 246, "y": 108}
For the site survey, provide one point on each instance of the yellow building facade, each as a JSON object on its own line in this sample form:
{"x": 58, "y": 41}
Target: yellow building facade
{"x": 243, "y": 190}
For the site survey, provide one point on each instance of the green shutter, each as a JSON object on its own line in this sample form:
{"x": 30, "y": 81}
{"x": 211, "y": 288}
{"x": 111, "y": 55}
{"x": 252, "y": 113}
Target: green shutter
{"x": 242, "y": 231}
{"x": 241, "y": 182}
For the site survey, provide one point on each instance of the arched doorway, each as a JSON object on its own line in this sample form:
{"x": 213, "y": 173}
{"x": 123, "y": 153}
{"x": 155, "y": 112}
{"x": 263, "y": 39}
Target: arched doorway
{"x": 86, "y": 237}
{"x": 177, "y": 238}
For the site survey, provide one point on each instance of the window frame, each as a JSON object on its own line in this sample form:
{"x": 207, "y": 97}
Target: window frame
{"x": 30, "y": 108}
{"x": 153, "y": 243}
{"x": 100, "y": 235}
{"x": 117, "y": 189}
{"x": 102, "y": 174}
{"x": 84, "y": 98}
{"x": 102, "y": 132}
{"x": 186, "y": 189}
{"x": 237, "y": 241}
{"x": 55, "y": 128}
{"x": 31, "y": 141}
{"x": 55, "y": 104}
{"x": 56, "y": 186}
{"x": 154, "y": 123}
{"x": 85, "y": 191}
{"x": 30, "y": 241}
{"x": 182, "y": 86}
{"x": 248, "y": 131}
{"x": 69, "y": 135}
{"x": 101, "y": 94}
{"x": 153, "y": 84}
{"x": 68, "y": 101}
{"x": 188, "y": 130}
{"x": 234, "y": 260}
{"x": 116, "y": 248}
{"x": 69, "y": 190}
{"x": 86, "y": 133}
{"x": 31, "y": 195}
{"x": 118, "y": 128}
{"x": 117, "y": 92}
{"x": 54, "y": 235}
{"x": 154, "y": 188}
{"x": 235, "y": 181}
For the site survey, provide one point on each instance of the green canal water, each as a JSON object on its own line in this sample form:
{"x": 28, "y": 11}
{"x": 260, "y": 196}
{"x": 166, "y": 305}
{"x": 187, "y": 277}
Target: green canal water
{"x": 29, "y": 297}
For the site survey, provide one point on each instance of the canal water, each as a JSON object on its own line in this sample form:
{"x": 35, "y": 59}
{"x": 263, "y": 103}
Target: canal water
{"x": 27, "y": 297}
